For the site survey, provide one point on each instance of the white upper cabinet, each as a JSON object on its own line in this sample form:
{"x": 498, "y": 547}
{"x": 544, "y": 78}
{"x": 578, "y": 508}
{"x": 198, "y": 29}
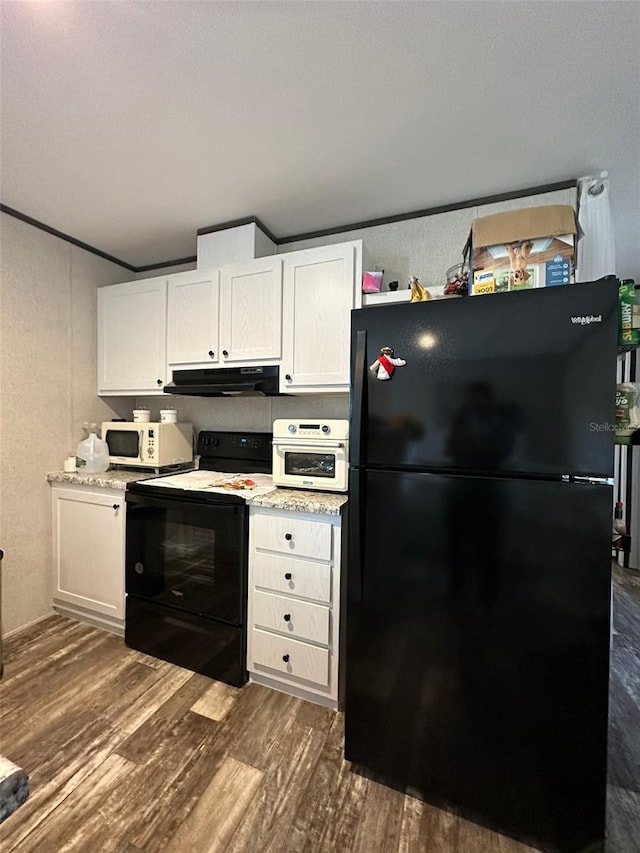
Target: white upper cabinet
{"x": 251, "y": 312}
{"x": 132, "y": 334}
{"x": 291, "y": 310}
{"x": 193, "y": 318}
{"x": 320, "y": 287}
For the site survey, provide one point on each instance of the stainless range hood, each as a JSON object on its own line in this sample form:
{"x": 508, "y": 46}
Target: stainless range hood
{"x": 226, "y": 382}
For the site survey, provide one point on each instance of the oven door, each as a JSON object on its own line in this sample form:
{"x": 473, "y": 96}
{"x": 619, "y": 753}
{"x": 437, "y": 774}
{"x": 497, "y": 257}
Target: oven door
{"x": 311, "y": 464}
{"x": 187, "y": 555}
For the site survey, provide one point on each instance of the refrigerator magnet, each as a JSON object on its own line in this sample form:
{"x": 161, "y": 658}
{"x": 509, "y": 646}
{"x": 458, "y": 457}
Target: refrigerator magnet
{"x": 385, "y": 363}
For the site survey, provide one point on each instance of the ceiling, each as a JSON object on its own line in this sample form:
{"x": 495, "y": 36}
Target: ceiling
{"x": 129, "y": 125}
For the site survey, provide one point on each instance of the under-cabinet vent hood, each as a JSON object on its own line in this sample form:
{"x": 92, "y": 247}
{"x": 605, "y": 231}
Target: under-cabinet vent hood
{"x": 226, "y": 382}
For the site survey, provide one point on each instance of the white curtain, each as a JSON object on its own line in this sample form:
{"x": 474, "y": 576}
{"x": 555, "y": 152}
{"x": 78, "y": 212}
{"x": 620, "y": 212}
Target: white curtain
{"x": 596, "y": 247}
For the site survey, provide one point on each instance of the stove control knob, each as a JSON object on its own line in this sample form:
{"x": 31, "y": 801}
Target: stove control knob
{"x": 325, "y": 428}
{"x": 292, "y": 427}
{"x": 150, "y": 451}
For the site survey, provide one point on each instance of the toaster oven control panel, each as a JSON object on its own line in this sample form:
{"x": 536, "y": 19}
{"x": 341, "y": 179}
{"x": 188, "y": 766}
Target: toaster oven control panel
{"x": 338, "y": 429}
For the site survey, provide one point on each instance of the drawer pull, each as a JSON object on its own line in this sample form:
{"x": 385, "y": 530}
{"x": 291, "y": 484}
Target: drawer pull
{"x": 288, "y": 537}
{"x": 285, "y": 658}
{"x": 288, "y": 576}
{"x": 116, "y": 507}
{"x": 287, "y": 617}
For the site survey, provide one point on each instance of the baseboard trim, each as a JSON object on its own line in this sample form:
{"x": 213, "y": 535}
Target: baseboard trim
{"x": 93, "y": 619}
{"x": 292, "y": 690}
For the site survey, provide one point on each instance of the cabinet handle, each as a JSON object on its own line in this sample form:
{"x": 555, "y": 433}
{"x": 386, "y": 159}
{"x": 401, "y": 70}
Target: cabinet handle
{"x": 159, "y": 381}
{"x": 225, "y": 353}
{"x": 287, "y": 376}
{"x": 116, "y": 506}
{"x": 285, "y": 658}
{"x": 288, "y": 537}
{"x": 287, "y": 617}
{"x": 211, "y": 353}
{"x": 288, "y": 576}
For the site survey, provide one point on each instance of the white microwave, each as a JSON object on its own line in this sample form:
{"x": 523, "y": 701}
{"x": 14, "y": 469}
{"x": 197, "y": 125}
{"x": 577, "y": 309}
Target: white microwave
{"x": 148, "y": 445}
{"x": 311, "y": 454}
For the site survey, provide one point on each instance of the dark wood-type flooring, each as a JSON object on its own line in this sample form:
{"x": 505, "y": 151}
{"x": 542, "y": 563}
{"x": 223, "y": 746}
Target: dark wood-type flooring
{"x": 126, "y": 753}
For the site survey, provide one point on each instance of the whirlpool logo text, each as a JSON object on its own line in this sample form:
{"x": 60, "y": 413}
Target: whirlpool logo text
{"x": 588, "y": 318}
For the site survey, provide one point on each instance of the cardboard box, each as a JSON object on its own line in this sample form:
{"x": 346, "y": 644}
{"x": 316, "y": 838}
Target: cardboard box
{"x": 521, "y": 249}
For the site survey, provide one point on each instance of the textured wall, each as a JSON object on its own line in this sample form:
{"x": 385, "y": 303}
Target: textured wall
{"x": 48, "y": 384}
{"x": 428, "y": 246}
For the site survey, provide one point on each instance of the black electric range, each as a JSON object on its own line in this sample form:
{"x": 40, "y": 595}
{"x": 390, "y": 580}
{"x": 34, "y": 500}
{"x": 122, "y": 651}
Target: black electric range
{"x": 186, "y": 556}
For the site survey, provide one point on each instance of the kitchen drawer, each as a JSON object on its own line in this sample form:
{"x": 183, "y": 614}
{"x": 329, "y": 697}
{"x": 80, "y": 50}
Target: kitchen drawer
{"x": 293, "y": 536}
{"x": 290, "y": 657}
{"x": 290, "y": 616}
{"x": 297, "y": 577}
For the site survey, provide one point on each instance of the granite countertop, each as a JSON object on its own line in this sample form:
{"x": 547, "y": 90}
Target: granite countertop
{"x": 113, "y": 479}
{"x": 299, "y": 500}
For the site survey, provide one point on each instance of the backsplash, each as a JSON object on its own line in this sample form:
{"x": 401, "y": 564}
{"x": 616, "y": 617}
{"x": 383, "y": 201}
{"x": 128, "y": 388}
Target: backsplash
{"x": 250, "y": 414}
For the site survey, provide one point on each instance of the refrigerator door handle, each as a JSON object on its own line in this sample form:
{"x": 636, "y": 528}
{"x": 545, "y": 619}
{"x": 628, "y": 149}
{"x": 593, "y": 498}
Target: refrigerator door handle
{"x": 356, "y": 532}
{"x": 357, "y": 403}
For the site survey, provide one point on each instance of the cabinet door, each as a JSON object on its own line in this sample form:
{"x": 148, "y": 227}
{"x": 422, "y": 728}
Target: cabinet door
{"x": 88, "y": 540}
{"x": 193, "y": 317}
{"x": 319, "y": 293}
{"x": 251, "y": 312}
{"x": 132, "y": 337}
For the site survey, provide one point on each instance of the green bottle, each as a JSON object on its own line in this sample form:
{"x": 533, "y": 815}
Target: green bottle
{"x": 629, "y": 314}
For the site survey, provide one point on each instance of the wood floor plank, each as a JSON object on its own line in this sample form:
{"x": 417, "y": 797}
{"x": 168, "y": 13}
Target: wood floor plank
{"x": 340, "y": 830}
{"x": 84, "y": 678}
{"x": 24, "y": 640}
{"x": 211, "y": 824}
{"x": 623, "y": 821}
{"x": 255, "y": 745}
{"x": 146, "y": 705}
{"x": 316, "y": 803}
{"x": 32, "y": 754}
{"x": 141, "y": 743}
{"x": 55, "y": 672}
{"x": 426, "y": 827}
{"x": 217, "y": 700}
{"x": 121, "y": 687}
{"x": 380, "y": 821}
{"x": 315, "y": 716}
{"x": 64, "y": 826}
{"x": 57, "y": 777}
{"x": 471, "y": 836}
{"x": 291, "y": 760}
{"x": 180, "y": 797}
{"x": 37, "y": 644}
{"x": 135, "y": 801}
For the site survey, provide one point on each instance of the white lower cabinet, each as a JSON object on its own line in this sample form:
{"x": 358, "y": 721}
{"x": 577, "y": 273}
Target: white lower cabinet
{"x": 88, "y": 554}
{"x": 294, "y": 602}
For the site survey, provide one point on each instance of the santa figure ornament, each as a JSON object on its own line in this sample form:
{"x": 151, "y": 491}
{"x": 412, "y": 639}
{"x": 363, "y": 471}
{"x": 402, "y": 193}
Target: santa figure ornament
{"x": 385, "y": 363}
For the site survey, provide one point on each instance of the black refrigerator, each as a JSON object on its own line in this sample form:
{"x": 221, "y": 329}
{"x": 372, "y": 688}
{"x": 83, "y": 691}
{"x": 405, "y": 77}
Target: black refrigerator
{"x": 479, "y": 572}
